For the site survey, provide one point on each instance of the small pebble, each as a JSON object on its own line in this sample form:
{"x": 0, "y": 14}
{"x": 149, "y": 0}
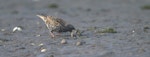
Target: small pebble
{"x": 63, "y": 41}
{"x": 78, "y": 43}
{"x": 43, "y": 50}
{"x": 32, "y": 44}
{"x": 133, "y": 31}
{"x": 38, "y": 35}
{"x": 41, "y": 44}
{"x": 3, "y": 30}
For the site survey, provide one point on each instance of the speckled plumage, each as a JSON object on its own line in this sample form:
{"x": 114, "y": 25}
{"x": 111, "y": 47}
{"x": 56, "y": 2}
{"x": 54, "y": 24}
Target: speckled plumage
{"x": 55, "y": 24}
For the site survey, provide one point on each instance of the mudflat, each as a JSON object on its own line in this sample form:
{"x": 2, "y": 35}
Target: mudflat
{"x": 110, "y": 28}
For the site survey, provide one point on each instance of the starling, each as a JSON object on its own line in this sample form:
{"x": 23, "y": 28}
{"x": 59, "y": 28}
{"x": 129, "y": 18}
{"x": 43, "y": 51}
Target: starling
{"x": 55, "y": 24}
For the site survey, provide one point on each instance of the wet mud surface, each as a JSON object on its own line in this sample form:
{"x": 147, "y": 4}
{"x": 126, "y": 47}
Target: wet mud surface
{"x": 111, "y": 28}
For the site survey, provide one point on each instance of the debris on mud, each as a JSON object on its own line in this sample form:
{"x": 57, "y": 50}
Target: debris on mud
{"x": 91, "y": 28}
{"x": 38, "y": 35}
{"x": 146, "y": 28}
{"x": 53, "y": 5}
{"x": 146, "y": 7}
{"x": 107, "y": 30}
{"x": 79, "y": 43}
{"x": 79, "y": 32}
{"x": 3, "y": 40}
{"x": 63, "y": 41}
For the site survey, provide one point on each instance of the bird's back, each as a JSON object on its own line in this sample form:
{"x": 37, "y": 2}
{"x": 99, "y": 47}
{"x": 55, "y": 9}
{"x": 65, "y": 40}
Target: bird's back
{"x": 56, "y": 24}
{"x": 55, "y": 21}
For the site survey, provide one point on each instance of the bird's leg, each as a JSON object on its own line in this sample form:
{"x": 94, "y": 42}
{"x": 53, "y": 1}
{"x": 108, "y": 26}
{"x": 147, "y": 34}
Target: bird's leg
{"x": 52, "y": 34}
{"x": 72, "y": 34}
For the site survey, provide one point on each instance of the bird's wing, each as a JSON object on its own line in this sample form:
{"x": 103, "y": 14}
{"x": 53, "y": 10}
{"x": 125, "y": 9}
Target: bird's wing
{"x": 60, "y": 21}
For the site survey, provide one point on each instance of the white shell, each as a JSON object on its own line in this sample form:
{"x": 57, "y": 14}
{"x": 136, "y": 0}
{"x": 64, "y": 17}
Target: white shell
{"x": 63, "y": 41}
{"x": 17, "y": 29}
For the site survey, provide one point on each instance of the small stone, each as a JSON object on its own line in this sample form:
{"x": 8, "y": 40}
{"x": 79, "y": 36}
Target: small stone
{"x": 3, "y": 30}
{"x": 38, "y": 35}
{"x": 63, "y": 41}
{"x": 43, "y": 50}
{"x": 41, "y": 44}
{"x": 78, "y": 43}
{"x": 133, "y": 31}
{"x": 32, "y": 44}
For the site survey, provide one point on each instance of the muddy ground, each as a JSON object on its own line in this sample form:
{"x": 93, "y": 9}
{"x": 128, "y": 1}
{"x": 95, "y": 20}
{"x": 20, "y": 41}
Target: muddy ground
{"x": 127, "y": 18}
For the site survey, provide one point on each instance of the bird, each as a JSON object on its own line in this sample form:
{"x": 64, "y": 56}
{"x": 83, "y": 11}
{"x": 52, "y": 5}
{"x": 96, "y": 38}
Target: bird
{"x": 55, "y": 24}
